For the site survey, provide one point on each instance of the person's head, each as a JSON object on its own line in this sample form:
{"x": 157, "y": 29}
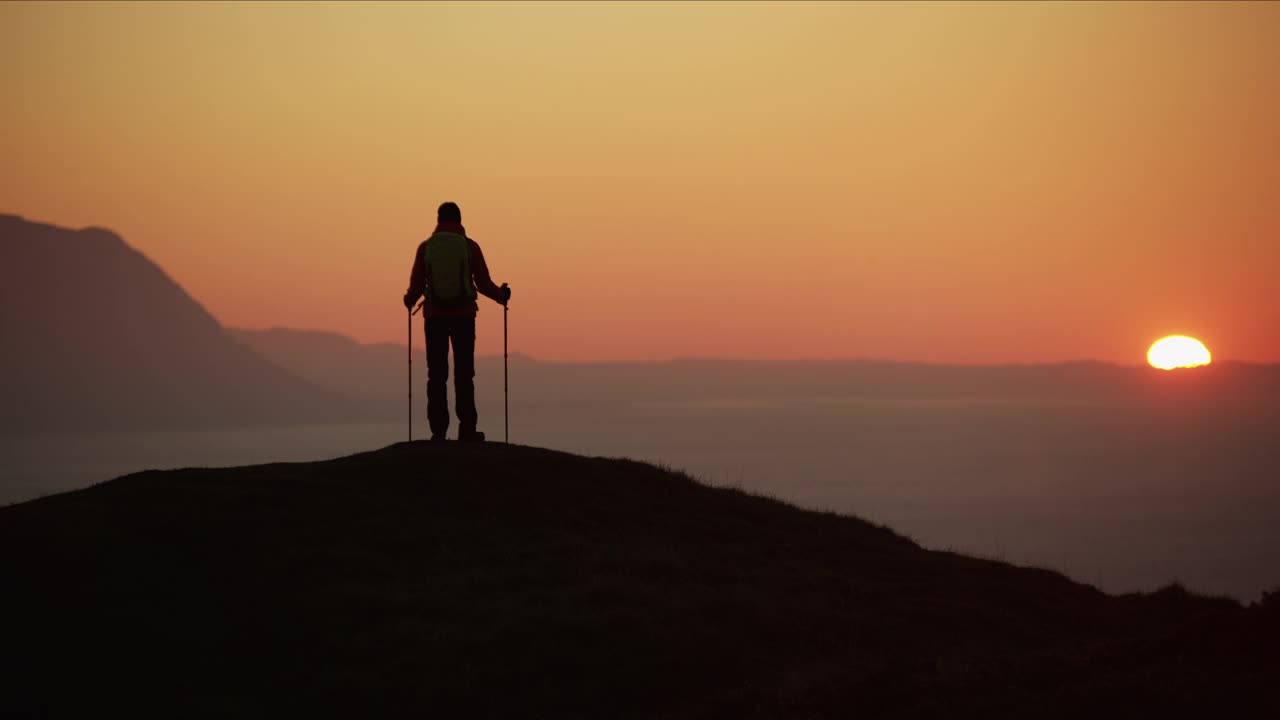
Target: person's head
{"x": 449, "y": 212}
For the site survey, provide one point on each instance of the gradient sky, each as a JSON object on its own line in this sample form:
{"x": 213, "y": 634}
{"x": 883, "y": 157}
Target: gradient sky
{"x": 980, "y": 183}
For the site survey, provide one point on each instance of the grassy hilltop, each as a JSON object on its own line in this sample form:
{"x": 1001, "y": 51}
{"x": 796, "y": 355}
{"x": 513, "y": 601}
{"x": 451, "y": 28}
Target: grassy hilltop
{"x": 489, "y": 580}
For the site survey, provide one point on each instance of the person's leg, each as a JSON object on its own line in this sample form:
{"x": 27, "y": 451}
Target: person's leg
{"x": 437, "y": 330}
{"x": 464, "y": 373}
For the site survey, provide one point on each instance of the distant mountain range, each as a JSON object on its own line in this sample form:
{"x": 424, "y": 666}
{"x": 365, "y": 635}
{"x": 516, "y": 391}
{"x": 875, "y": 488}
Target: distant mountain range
{"x": 97, "y": 336}
{"x": 377, "y": 372}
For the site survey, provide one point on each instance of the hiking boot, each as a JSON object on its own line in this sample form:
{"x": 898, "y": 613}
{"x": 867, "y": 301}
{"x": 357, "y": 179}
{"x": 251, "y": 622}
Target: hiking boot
{"x": 470, "y": 436}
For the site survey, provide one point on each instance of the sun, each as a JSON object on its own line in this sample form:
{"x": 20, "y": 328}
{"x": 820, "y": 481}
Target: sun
{"x": 1178, "y": 351}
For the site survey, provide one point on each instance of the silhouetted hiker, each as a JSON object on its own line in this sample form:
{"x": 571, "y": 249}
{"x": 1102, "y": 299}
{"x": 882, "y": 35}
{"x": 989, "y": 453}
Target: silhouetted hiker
{"x": 448, "y": 269}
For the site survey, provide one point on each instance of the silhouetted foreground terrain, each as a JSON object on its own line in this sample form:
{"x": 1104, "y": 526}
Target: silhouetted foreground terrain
{"x": 464, "y": 581}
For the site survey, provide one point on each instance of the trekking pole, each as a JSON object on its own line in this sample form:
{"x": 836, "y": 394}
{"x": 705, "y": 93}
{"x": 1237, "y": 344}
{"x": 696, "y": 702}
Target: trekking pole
{"x": 506, "y": 422}
{"x": 409, "y": 343}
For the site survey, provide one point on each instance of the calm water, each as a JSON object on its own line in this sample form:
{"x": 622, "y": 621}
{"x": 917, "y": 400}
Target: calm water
{"x": 1126, "y": 499}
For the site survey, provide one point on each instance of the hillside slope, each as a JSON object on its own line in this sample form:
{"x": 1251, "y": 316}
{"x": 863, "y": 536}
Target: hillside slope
{"x": 99, "y": 337}
{"x": 479, "y": 581}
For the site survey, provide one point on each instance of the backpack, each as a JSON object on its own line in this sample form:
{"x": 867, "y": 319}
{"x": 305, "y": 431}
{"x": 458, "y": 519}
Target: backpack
{"x": 448, "y": 258}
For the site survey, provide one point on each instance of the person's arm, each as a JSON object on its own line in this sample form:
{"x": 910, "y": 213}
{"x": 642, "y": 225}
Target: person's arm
{"x": 417, "y": 279}
{"x": 480, "y": 274}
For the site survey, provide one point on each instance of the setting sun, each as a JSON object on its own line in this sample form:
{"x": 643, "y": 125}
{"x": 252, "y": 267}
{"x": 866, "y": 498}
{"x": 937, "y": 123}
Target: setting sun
{"x": 1177, "y": 351}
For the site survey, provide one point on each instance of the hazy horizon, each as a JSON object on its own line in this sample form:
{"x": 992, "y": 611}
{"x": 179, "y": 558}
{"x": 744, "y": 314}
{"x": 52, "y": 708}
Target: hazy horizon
{"x": 757, "y": 360}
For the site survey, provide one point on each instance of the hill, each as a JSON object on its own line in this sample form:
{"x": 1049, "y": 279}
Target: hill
{"x": 99, "y": 337}
{"x": 373, "y": 373}
{"x": 509, "y": 581}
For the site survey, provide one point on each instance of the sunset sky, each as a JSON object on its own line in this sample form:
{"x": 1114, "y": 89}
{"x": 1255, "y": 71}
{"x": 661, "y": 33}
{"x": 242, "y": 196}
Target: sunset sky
{"x": 982, "y": 183}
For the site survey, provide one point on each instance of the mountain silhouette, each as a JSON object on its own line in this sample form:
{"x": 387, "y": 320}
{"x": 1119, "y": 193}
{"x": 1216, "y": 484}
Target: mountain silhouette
{"x": 99, "y": 337}
{"x": 375, "y": 373}
{"x": 504, "y": 581}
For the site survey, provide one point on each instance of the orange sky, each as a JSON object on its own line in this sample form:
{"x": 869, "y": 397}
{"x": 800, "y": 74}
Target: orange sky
{"x": 951, "y": 183}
